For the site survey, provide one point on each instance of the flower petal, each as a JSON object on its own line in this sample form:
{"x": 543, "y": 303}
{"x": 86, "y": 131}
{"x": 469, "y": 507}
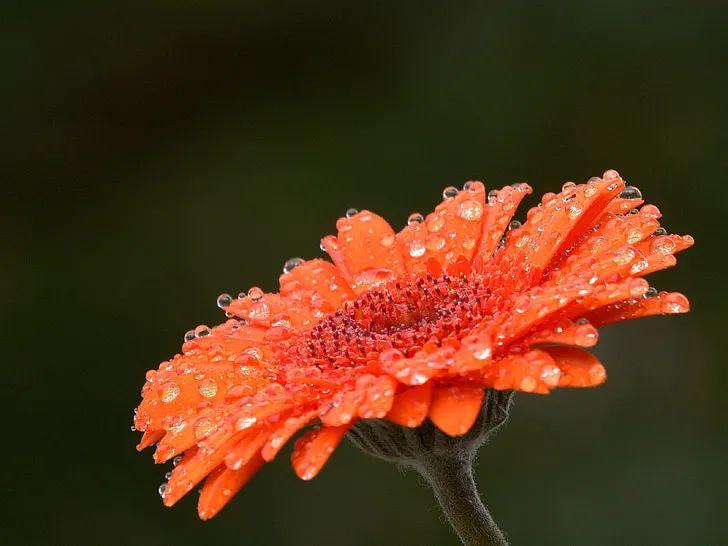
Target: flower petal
{"x": 454, "y": 409}
{"x": 222, "y": 484}
{"x": 501, "y": 208}
{"x": 364, "y": 251}
{"x": 411, "y": 406}
{"x": 313, "y": 449}
{"x": 284, "y": 432}
{"x": 578, "y": 368}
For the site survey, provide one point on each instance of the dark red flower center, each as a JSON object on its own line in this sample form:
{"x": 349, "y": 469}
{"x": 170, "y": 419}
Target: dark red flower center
{"x": 400, "y": 316}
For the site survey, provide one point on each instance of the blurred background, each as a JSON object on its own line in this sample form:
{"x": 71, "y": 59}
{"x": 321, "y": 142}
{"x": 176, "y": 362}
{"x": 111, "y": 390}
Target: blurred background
{"x": 158, "y": 153}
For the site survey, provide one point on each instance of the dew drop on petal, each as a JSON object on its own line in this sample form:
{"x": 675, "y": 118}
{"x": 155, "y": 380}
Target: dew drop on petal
{"x": 574, "y": 210}
{"x": 567, "y": 186}
{"x": 449, "y": 192}
{"x": 663, "y": 245}
{"x": 387, "y": 240}
{"x": 415, "y": 218}
{"x": 674, "y": 303}
{"x": 162, "y": 489}
{"x": 659, "y": 231}
{"x": 224, "y": 300}
{"x": 417, "y": 249}
{"x": 623, "y": 256}
{"x": 202, "y": 331}
{"x": 631, "y": 192}
{"x": 255, "y": 293}
{"x": 190, "y": 335}
{"x": 515, "y": 224}
{"x": 203, "y": 427}
{"x": 291, "y": 264}
{"x": 245, "y": 422}
{"x": 169, "y": 391}
{"x": 651, "y": 292}
{"x": 470, "y": 210}
{"x": 610, "y": 174}
{"x": 351, "y": 212}
{"x": 207, "y": 388}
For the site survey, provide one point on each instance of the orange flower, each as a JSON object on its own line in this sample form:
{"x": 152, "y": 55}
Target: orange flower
{"x": 406, "y": 326}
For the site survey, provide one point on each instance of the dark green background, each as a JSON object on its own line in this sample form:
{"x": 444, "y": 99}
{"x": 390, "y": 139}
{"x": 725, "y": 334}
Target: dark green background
{"x": 158, "y": 153}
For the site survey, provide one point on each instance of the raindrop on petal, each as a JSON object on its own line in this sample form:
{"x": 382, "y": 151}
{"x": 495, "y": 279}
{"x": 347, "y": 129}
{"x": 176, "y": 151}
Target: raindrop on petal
{"x": 291, "y": 264}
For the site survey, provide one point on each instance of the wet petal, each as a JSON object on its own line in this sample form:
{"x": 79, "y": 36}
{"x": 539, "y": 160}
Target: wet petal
{"x": 222, "y": 484}
{"x": 454, "y": 409}
{"x": 313, "y": 449}
{"x": 411, "y": 406}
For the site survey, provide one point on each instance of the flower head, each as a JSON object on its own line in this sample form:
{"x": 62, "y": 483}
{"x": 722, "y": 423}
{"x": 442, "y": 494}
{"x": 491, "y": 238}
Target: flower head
{"x": 405, "y": 327}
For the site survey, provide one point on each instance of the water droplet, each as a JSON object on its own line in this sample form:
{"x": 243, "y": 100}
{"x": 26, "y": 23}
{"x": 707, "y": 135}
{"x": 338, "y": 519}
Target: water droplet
{"x": 169, "y": 392}
{"x": 515, "y": 224}
{"x": 631, "y": 192}
{"x": 567, "y": 186}
{"x": 574, "y": 210}
{"x": 435, "y": 243}
{"x": 224, "y": 300}
{"x": 528, "y": 384}
{"x": 245, "y": 422}
{"x": 610, "y": 174}
{"x": 417, "y": 249}
{"x": 387, "y": 240}
{"x": 351, "y": 212}
{"x": 659, "y": 231}
{"x": 190, "y": 335}
{"x": 663, "y": 245}
{"x": 623, "y": 256}
{"x": 492, "y": 194}
{"x": 415, "y": 218}
{"x": 255, "y": 293}
{"x": 202, "y": 331}
{"x": 162, "y": 489}
{"x": 291, "y": 264}
{"x": 207, "y": 388}
{"x": 674, "y": 303}
{"x": 449, "y": 192}
{"x": 470, "y": 210}
{"x": 634, "y": 235}
{"x": 651, "y": 292}
{"x": 473, "y": 186}
{"x": 176, "y": 460}
{"x": 203, "y": 427}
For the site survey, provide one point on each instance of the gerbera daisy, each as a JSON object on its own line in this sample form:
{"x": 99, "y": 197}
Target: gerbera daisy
{"x": 415, "y": 339}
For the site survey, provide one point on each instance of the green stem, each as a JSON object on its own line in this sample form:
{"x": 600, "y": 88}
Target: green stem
{"x": 453, "y": 484}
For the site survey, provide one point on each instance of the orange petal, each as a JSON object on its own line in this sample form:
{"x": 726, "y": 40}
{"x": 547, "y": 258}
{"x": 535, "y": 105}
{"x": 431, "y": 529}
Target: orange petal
{"x": 533, "y": 371}
{"x": 664, "y": 303}
{"x": 377, "y": 396}
{"x": 454, "y": 409}
{"x": 452, "y": 231}
{"x": 246, "y": 449}
{"x": 222, "y": 484}
{"x": 578, "y": 368}
{"x": 284, "y": 432}
{"x": 501, "y": 208}
{"x": 410, "y": 407}
{"x": 317, "y": 283}
{"x": 194, "y": 466}
{"x": 313, "y": 449}
{"x": 149, "y": 438}
{"x": 365, "y": 251}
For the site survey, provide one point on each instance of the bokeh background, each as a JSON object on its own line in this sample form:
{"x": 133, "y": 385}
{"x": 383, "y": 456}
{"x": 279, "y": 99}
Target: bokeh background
{"x": 158, "y": 153}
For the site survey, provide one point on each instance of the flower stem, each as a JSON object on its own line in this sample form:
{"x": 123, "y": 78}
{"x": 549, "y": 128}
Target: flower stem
{"x": 452, "y": 482}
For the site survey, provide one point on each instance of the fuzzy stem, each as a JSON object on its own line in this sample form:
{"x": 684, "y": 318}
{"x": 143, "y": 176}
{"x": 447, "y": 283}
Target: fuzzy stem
{"x": 453, "y": 484}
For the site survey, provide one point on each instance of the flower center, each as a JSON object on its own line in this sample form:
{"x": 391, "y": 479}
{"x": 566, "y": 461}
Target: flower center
{"x": 400, "y": 316}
